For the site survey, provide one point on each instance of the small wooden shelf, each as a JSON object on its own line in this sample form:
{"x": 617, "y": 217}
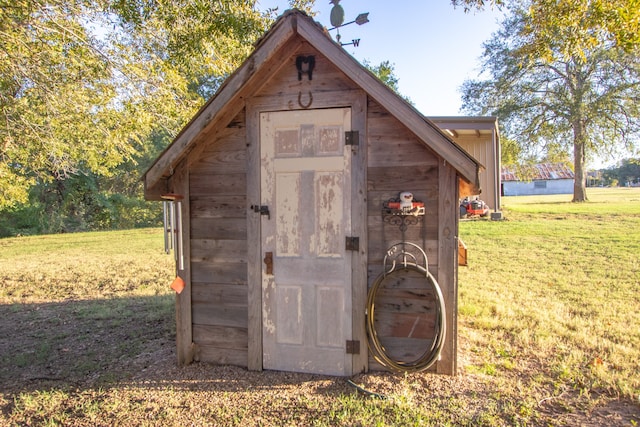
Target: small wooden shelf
{"x": 394, "y": 213}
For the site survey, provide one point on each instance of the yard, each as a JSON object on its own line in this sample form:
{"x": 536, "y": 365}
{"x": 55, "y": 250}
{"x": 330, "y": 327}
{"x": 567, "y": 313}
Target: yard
{"x": 549, "y": 334}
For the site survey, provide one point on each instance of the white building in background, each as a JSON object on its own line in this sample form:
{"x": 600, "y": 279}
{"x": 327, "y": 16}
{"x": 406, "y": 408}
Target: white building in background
{"x": 543, "y": 178}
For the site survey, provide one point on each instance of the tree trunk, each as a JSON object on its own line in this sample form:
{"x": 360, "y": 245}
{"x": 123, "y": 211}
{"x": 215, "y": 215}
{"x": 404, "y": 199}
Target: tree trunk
{"x": 580, "y": 179}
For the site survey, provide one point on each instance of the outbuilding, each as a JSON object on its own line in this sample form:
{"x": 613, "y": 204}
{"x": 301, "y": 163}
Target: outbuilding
{"x": 294, "y": 189}
{"x": 538, "y": 179}
{"x": 479, "y": 136}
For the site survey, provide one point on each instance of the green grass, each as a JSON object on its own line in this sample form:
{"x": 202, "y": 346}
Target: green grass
{"x": 554, "y": 289}
{"x": 83, "y": 265}
{"x": 549, "y": 333}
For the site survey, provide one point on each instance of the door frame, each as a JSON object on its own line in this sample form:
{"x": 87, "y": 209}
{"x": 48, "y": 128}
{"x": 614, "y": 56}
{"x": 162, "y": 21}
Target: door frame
{"x": 357, "y": 101}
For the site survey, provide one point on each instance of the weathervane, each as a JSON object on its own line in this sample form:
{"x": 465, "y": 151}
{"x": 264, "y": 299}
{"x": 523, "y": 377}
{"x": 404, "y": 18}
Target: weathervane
{"x": 337, "y": 20}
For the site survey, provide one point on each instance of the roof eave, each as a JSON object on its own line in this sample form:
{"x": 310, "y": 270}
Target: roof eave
{"x": 269, "y": 45}
{"x": 427, "y": 131}
{"x": 281, "y": 32}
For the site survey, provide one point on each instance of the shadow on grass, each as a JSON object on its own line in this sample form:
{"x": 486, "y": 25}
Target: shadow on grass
{"x": 80, "y": 343}
{"x": 120, "y": 353}
{"x": 71, "y": 363}
{"x": 120, "y": 342}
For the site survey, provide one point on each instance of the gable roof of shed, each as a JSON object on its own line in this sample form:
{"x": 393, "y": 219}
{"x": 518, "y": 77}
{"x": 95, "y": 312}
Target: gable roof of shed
{"x": 261, "y": 64}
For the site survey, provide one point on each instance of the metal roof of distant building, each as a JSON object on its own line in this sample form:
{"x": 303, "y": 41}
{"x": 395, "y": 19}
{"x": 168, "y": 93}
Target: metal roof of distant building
{"x": 539, "y": 172}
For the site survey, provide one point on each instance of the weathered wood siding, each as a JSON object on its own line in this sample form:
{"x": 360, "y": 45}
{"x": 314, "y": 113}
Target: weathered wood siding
{"x": 398, "y": 162}
{"x": 405, "y": 309}
{"x": 179, "y": 184}
{"x": 218, "y": 188}
{"x": 328, "y": 88}
{"x": 215, "y": 163}
{"x": 325, "y": 78}
{"x": 482, "y": 148}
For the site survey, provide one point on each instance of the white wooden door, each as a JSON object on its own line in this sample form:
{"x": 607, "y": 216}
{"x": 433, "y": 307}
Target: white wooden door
{"x": 306, "y": 185}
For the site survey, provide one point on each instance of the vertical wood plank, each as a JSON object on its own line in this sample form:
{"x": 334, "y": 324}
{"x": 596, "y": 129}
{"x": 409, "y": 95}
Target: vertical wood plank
{"x": 447, "y": 265}
{"x": 254, "y": 264}
{"x": 184, "y": 327}
{"x": 359, "y": 226}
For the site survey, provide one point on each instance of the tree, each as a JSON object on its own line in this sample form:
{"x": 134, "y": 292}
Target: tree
{"x": 629, "y": 171}
{"x": 583, "y": 25}
{"x": 469, "y": 5}
{"x": 385, "y": 71}
{"x": 584, "y": 103}
{"x": 510, "y": 151}
{"x": 86, "y": 84}
{"x": 74, "y": 101}
{"x": 56, "y": 99}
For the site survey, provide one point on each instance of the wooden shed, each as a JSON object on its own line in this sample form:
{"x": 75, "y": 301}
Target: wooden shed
{"x": 284, "y": 179}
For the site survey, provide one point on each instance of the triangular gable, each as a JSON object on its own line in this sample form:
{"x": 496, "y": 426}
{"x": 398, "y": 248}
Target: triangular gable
{"x": 289, "y": 31}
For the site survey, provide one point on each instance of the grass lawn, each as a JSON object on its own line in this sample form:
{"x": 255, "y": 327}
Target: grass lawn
{"x": 549, "y": 333}
{"x": 551, "y": 298}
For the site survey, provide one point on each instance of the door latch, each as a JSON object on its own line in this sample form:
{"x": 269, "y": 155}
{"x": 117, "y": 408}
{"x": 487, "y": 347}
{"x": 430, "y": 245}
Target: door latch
{"x": 262, "y": 210}
{"x": 352, "y": 243}
{"x": 268, "y": 261}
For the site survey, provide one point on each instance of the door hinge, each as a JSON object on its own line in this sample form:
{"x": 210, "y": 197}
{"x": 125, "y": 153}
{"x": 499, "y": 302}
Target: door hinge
{"x": 353, "y": 243}
{"x": 352, "y": 137}
{"x": 353, "y": 347}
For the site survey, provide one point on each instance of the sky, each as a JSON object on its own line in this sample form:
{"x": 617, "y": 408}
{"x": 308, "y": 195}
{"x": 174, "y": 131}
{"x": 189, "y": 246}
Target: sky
{"x": 433, "y": 46}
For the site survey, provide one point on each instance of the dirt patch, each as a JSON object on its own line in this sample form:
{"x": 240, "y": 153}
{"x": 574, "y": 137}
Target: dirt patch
{"x": 77, "y": 343}
{"x": 113, "y": 362}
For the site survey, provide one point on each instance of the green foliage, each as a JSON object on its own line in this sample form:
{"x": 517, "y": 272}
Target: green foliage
{"x": 628, "y": 172}
{"x": 92, "y": 90}
{"x": 510, "y": 151}
{"x": 305, "y": 5}
{"x": 469, "y": 5}
{"x": 574, "y": 27}
{"x": 385, "y": 71}
{"x": 77, "y": 204}
{"x": 59, "y": 101}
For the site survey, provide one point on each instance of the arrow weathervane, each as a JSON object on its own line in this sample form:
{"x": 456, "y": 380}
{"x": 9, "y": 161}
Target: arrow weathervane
{"x": 337, "y": 20}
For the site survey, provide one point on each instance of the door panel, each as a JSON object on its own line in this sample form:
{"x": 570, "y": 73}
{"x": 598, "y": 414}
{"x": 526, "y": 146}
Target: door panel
{"x": 306, "y": 182}
{"x": 287, "y": 207}
{"x": 329, "y": 214}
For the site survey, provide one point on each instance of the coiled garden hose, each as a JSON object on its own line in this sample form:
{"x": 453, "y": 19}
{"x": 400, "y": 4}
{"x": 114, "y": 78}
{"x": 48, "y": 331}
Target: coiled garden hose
{"x": 432, "y": 354}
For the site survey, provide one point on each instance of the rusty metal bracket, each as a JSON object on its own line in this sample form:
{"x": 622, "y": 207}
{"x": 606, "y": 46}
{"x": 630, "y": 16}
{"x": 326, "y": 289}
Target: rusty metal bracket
{"x": 268, "y": 261}
{"x": 353, "y": 347}
{"x": 262, "y": 210}
{"x": 352, "y": 137}
{"x": 352, "y": 243}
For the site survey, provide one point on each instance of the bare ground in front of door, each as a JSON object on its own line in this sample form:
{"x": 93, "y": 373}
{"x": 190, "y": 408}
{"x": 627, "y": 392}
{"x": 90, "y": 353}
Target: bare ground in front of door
{"x": 112, "y": 362}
